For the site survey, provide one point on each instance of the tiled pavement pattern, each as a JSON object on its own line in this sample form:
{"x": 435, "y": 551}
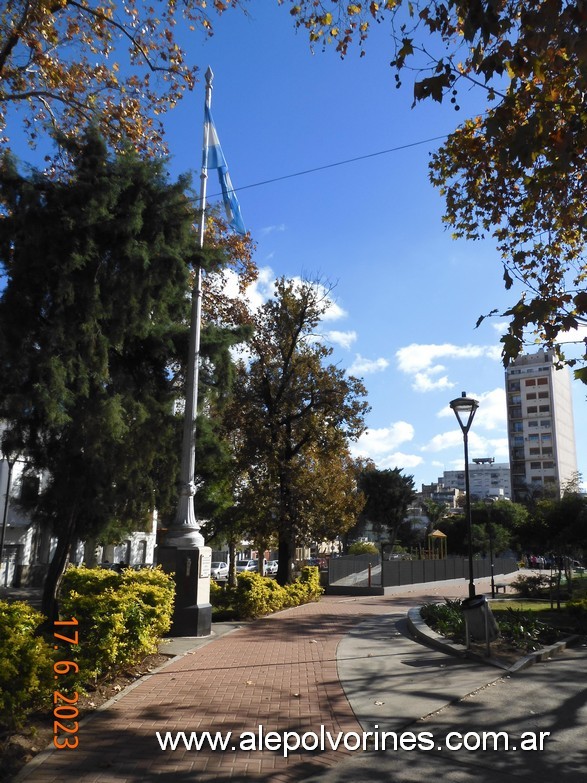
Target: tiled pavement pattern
{"x": 279, "y": 671}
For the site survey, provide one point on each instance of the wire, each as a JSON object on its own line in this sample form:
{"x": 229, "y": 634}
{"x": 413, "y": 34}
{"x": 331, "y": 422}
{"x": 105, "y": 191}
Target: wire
{"x": 334, "y": 165}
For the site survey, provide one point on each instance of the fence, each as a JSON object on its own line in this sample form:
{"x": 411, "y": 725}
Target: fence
{"x": 369, "y": 571}
{"x": 407, "y": 572}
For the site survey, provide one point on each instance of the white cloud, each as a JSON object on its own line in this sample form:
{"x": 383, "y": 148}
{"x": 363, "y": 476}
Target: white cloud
{"x": 271, "y": 229}
{"x": 445, "y": 440}
{"x": 424, "y": 383}
{"x": 399, "y": 460}
{"x": 419, "y": 360}
{"x": 479, "y": 445}
{"x": 377, "y": 442}
{"x": 344, "y": 339}
{"x": 362, "y": 366}
{"x": 262, "y": 289}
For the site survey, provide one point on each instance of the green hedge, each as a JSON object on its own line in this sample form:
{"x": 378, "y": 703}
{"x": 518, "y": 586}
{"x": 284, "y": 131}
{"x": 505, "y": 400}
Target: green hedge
{"x": 26, "y": 664}
{"x": 578, "y": 611}
{"x": 256, "y": 595}
{"x": 121, "y": 617}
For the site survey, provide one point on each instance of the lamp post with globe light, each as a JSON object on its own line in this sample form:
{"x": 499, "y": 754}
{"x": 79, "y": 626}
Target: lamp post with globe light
{"x": 465, "y": 408}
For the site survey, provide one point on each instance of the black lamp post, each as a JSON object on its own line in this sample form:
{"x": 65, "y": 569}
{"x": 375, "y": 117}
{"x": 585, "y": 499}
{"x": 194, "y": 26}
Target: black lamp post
{"x": 464, "y": 408}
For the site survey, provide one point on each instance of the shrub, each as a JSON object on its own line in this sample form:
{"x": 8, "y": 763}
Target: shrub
{"x": 446, "y": 618}
{"x": 531, "y": 586}
{"x": 26, "y": 664}
{"x": 120, "y": 617}
{"x": 578, "y": 611}
{"x": 363, "y": 548}
{"x": 256, "y": 595}
{"x": 310, "y": 577}
{"x": 525, "y": 630}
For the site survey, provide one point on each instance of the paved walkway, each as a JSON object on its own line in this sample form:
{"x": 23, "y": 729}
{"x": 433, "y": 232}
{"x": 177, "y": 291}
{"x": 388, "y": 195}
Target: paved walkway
{"x": 346, "y": 664}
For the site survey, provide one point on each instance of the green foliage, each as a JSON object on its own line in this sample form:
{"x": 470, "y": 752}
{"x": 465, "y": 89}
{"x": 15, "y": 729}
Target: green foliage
{"x": 363, "y": 548}
{"x": 256, "y": 595}
{"x": 531, "y": 586}
{"x": 121, "y": 618}
{"x": 296, "y": 475}
{"x": 578, "y": 611}
{"x": 26, "y": 674}
{"x": 522, "y": 629}
{"x": 388, "y": 494}
{"x": 310, "y": 578}
{"x": 447, "y": 618}
{"x": 525, "y": 630}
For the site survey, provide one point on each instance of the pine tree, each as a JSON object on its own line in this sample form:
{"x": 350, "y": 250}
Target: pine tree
{"x": 93, "y": 337}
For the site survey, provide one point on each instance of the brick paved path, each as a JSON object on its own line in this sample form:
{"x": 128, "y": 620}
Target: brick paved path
{"x": 279, "y": 672}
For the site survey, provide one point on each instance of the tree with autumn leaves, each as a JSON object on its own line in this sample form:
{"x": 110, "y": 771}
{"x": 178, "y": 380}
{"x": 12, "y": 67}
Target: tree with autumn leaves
{"x": 67, "y": 63}
{"x": 514, "y": 173}
{"x": 293, "y": 417}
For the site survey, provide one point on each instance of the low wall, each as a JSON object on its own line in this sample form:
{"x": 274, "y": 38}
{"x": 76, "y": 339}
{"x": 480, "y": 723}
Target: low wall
{"x": 409, "y": 572}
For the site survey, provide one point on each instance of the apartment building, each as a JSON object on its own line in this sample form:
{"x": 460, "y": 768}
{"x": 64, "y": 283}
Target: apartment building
{"x": 487, "y": 479}
{"x": 541, "y": 430}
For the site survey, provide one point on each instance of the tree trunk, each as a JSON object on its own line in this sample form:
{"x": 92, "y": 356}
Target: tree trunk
{"x": 286, "y": 551}
{"x": 232, "y": 562}
{"x": 57, "y": 566}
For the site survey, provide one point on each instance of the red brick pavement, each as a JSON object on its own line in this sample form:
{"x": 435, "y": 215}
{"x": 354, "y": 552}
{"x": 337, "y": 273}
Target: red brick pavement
{"x": 279, "y": 672}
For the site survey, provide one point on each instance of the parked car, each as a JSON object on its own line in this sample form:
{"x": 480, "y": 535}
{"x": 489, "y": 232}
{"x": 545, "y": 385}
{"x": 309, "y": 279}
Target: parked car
{"x": 247, "y": 565}
{"x": 219, "y": 570}
{"x": 318, "y": 562}
{"x": 271, "y": 567}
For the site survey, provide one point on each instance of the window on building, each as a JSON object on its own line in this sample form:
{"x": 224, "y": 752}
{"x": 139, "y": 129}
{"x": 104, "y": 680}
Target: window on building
{"x": 532, "y": 409}
{"x": 546, "y": 437}
{"x": 514, "y": 386}
{"x": 533, "y": 437}
{"x": 544, "y": 408}
{"x": 517, "y": 426}
{"x": 516, "y": 412}
{"x": 530, "y": 382}
{"x": 543, "y": 395}
{"x": 549, "y": 479}
{"x": 548, "y": 465}
{"x": 531, "y": 396}
{"x": 535, "y": 451}
{"x": 547, "y": 451}
{"x": 545, "y": 423}
{"x": 533, "y": 423}
{"x": 542, "y": 381}
{"x": 535, "y": 465}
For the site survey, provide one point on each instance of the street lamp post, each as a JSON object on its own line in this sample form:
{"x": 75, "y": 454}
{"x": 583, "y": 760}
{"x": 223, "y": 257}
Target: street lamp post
{"x": 464, "y": 408}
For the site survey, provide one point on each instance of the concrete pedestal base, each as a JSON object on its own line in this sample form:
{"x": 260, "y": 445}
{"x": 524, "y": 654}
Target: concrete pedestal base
{"x": 192, "y": 614}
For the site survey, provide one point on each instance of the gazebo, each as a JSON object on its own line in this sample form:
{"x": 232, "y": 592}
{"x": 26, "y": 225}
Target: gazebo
{"x": 437, "y": 545}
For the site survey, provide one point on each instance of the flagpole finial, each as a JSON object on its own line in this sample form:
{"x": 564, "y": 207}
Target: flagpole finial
{"x": 209, "y": 75}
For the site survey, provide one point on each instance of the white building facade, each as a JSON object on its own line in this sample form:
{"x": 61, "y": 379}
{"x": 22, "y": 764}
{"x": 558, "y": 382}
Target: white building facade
{"x": 487, "y": 479}
{"x": 541, "y": 429}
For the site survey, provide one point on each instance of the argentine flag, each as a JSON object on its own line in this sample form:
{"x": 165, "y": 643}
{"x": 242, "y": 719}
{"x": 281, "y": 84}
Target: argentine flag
{"x": 214, "y": 159}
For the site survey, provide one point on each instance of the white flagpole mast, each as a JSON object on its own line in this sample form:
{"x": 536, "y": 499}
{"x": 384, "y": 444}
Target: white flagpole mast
{"x": 185, "y": 531}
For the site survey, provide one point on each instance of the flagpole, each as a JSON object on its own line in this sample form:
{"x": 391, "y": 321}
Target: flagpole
{"x": 185, "y": 530}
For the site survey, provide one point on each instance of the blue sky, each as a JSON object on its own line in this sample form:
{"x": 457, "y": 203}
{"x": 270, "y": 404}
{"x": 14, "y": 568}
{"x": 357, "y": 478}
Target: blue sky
{"x": 407, "y": 295}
